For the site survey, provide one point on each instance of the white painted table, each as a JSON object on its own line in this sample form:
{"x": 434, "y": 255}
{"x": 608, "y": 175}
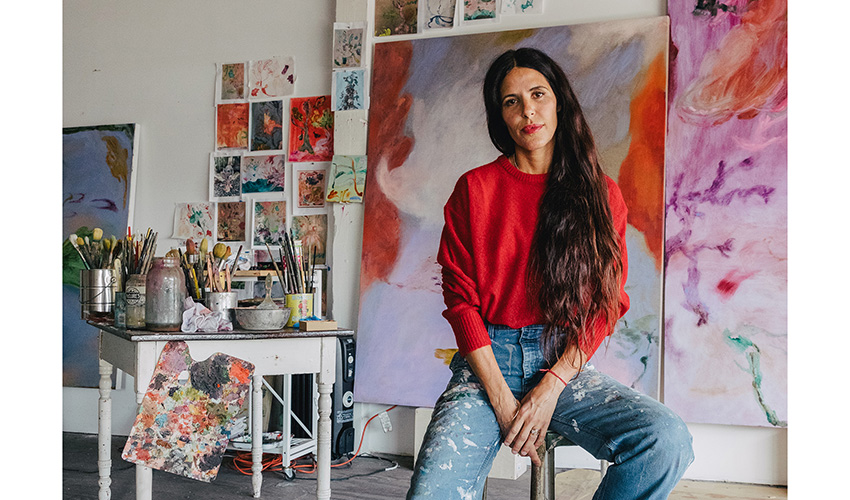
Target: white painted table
{"x": 272, "y": 353}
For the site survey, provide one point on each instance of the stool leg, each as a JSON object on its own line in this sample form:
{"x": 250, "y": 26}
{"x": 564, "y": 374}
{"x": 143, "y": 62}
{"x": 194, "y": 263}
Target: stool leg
{"x": 538, "y": 475}
{"x": 550, "y": 473}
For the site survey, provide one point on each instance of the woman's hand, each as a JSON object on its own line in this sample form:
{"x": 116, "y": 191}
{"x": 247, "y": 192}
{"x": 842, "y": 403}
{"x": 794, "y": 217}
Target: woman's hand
{"x": 506, "y": 410}
{"x": 528, "y": 430}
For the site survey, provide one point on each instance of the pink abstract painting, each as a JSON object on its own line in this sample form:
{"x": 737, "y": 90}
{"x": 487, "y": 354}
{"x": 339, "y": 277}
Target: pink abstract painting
{"x": 726, "y": 214}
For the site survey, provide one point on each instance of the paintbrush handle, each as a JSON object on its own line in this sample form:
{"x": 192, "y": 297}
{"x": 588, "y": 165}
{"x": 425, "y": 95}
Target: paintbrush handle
{"x": 276, "y": 269}
{"x": 236, "y": 260}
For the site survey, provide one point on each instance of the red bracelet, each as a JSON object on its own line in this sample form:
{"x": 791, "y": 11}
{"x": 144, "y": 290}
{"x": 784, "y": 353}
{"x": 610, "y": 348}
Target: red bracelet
{"x": 555, "y": 374}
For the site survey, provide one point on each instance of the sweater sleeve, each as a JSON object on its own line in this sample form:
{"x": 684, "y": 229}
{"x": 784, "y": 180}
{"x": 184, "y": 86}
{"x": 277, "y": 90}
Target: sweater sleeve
{"x": 460, "y": 290}
{"x": 619, "y": 214}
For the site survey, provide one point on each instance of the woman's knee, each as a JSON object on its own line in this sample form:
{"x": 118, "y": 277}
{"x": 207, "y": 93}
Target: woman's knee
{"x": 671, "y": 440}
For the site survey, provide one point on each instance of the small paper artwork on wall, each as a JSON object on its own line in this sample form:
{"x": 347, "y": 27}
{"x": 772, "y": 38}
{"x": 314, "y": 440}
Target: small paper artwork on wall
{"x": 479, "y": 10}
{"x": 522, "y": 7}
{"x": 310, "y": 183}
{"x": 231, "y": 126}
{"x": 439, "y": 13}
{"x": 231, "y": 221}
{"x": 349, "y": 90}
{"x": 231, "y": 81}
{"x": 98, "y": 174}
{"x": 266, "y": 125}
{"x": 269, "y": 223}
{"x": 274, "y": 77}
{"x": 312, "y": 230}
{"x": 347, "y": 179}
{"x": 225, "y": 183}
{"x": 194, "y": 220}
{"x": 263, "y": 174}
{"x": 348, "y": 44}
{"x": 396, "y": 17}
{"x": 311, "y": 129}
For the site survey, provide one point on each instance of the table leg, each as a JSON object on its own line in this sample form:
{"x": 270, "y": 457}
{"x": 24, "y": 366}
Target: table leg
{"x": 144, "y": 475}
{"x": 257, "y": 434}
{"x": 104, "y": 431}
{"x": 323, "y": 446}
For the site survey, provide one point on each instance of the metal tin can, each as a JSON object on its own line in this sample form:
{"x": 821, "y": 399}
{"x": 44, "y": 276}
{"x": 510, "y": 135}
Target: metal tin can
{"x": 97, "y": 294}
{"x": 134, "y": 294}
{"x": 165, "y": 291}
{"x": 223, "y": 301}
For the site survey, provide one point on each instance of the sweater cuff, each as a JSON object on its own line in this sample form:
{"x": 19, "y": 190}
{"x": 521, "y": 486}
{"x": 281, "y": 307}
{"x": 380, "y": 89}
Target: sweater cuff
{"x": 469, "y": 331}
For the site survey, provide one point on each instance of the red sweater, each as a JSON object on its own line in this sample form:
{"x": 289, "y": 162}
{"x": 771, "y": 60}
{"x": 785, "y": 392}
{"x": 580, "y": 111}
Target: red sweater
{"x": 490, "y": 221}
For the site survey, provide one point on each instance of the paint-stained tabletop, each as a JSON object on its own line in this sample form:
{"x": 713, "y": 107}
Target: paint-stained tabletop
{"x": 236, "y": 334}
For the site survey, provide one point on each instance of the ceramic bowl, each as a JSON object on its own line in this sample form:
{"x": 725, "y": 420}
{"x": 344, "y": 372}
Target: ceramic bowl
{"x": 251, "y": 318}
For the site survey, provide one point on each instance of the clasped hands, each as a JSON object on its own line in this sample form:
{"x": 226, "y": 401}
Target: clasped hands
{"x": 524, "y": 424}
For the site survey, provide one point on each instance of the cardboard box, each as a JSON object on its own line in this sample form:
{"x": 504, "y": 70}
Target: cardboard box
{"x": 316, "y": 325}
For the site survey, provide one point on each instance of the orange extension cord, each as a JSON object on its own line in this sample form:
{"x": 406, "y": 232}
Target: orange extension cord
{"x": 243, "y": 460}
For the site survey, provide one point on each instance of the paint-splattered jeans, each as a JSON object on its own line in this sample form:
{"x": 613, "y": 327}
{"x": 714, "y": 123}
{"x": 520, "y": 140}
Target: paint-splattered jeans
{"x": 647, "y": 444}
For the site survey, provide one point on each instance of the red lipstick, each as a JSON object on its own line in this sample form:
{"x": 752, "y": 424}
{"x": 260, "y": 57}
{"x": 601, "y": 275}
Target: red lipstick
{"x": 530, "y": 129}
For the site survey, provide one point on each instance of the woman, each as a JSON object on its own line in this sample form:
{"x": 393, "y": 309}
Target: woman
{"x": 534, "y": 267}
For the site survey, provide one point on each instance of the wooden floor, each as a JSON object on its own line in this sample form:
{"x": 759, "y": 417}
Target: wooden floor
{"x": 365, "y": 478}
{"x": 579, "y": 484}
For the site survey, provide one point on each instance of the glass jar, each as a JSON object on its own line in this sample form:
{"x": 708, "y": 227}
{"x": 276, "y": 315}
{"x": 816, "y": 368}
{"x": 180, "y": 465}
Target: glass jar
{"x": 165, "y": 291}
{"x": 134, "y": 295}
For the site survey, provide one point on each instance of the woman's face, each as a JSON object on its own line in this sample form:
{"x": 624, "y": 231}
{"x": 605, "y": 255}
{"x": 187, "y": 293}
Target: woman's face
{"x": 529, "y": 109}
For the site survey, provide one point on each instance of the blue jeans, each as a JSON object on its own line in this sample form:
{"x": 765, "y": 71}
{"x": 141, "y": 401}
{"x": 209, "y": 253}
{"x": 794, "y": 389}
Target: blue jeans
{"x": 647, "y": 444}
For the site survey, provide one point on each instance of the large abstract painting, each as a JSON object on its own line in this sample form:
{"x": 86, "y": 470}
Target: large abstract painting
{"x": 97, "y": 191}
{"x": 427, "y": 127}
{"x": 726, "y": 269}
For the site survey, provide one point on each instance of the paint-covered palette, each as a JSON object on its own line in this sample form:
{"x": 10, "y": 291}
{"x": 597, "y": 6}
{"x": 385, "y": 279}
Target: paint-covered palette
{"x": 183, "y": 425}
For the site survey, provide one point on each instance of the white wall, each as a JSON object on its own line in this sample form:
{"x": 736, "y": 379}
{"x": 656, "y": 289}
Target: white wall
{"x": 153, "y": 63}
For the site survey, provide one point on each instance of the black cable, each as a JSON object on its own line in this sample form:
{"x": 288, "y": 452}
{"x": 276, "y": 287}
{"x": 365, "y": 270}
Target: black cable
{"x": 394, "y": 465}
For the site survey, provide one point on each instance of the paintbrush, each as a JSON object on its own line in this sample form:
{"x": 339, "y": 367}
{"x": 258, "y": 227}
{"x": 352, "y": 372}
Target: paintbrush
{"x": 119, "y": 279}
{"x": 73, "y": 239}
{"x": 291, "y": 264}
{"x": 210, "y": 276}
{"x": 147, "y": 256}
{"x": 276, "y": 269}
{"x": 312, "y": 268}
{"x": 236, "y": 260}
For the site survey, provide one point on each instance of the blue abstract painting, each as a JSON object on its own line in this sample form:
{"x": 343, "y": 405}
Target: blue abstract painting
{"x": 97, "y": 191}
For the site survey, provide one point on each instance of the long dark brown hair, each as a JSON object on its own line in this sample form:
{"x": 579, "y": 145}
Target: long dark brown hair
{"x": 575, "y": 266}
